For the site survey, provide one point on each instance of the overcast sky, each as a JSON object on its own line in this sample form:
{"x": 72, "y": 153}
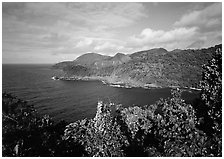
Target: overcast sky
{"x": 53, "y": 32}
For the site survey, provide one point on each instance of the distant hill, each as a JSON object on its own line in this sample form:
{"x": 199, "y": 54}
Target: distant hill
{"x": 63, "y": 64}
{"x": 83, "y": 60}
{"x": 116, "y": 60}
{"x": 156, "y": 66}
{"x": 90, "y": 58}
{"x": 148, "y": 53}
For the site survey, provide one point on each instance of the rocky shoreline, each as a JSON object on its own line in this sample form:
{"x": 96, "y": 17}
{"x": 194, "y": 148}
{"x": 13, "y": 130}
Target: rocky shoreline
{"x": 109, "y": 81}
{"x": 120, "y": 83}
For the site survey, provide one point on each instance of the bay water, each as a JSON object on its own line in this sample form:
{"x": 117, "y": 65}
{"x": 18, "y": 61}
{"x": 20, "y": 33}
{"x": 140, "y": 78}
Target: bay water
{"x": 72, "y": 100}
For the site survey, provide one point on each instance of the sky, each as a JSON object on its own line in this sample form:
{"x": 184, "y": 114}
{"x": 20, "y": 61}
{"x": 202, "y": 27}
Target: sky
{"x": 53, "y": 32}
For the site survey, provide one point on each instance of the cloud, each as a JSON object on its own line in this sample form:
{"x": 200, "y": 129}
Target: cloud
{"x": 85, "y": 42}
{"x": 72, "y": 29}
{"x": 209, "y": 18}
{"x": 196, "y": 44}
{"x": 152, "y": 37}
{"x": 108, "y": 15}
{"x": 196, "y": 29}
{"x": 105, "y": 45}
{"x": 109, "y": 47}
{"x": 78, "y": 46}
{"x": 60, "y": 27}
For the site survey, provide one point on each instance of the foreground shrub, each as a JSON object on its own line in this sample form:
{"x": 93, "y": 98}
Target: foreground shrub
{"x": 211, "y": 96}
{"x": 176, "y": 128}
{"x": 100, "y": 136}
{"x": 24, "y": 133}
{"x": 167, "y": 128}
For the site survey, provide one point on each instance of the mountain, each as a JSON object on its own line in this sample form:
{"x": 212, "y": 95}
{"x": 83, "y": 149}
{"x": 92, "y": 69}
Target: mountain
{"x": 177, "y": 50}
{"x": 90, "y": 58}
{"x": 157, "y": 67}
{"x": 148, "y": 53}
{"x": 83, "y": 60}
{"x": 118, "y": 59}
{"x": 63, "y": 64}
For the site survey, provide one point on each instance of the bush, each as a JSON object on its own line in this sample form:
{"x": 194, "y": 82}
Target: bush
{"x": 24, "y": 133}
{"x": 100, "y": 136}
{"x": 176, "y": 128}
{"x": 167, "y": 128}
{"x": 211, "y": 96}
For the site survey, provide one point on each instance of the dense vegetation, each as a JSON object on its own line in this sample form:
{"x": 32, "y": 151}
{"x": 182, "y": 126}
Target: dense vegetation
{"x": 170, "y": 127}
{"x": 157, "y": 66}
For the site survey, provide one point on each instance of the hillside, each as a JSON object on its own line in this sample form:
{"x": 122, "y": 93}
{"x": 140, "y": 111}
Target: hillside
{"x": 116, "y": 60}
{"x": 90, "y": 58}
{"x": 83, "y": 60}
{"x": 155, "y": 67}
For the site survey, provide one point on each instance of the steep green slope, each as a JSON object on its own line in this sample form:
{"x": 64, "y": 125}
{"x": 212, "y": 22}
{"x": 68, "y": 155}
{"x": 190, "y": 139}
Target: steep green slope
{"x": 156, "y": 67}
{"x": 118, "y": 59}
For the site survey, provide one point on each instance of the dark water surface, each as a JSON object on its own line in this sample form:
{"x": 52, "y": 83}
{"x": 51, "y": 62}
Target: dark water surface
{"x": 71, "y": 100}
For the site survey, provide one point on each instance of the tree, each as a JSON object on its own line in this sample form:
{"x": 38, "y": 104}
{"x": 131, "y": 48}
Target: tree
{"x": 176, "y": 128}
{"x": 24, "y": 133}
{"x": 211, "y": 96}
{"x": 100, "y": 136}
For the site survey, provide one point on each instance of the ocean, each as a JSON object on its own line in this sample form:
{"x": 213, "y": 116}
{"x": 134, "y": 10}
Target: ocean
{"x": 72, "y": 100}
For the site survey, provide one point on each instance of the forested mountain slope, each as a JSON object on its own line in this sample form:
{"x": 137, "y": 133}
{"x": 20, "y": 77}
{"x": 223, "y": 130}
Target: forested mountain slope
{"x": 156, "y": 66}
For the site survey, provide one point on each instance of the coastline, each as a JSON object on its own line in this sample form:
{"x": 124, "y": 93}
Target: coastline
{"x": 121, "y": 83}
{"x": 111, "y": 81}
